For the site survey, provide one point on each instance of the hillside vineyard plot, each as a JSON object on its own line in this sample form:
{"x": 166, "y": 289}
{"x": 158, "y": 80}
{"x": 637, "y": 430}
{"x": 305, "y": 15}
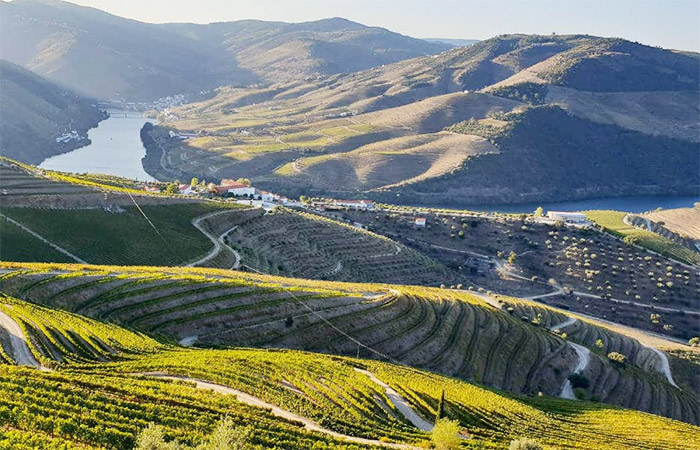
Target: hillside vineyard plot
{"x": 122, "y": 235}
{"x": 93, "y": 405}
{"x": 446, "y": 331}
{"x": 305, "y": 245}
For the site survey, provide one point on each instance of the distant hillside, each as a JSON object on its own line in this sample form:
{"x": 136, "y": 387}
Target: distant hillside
{"x": 111, "y": 57}
{"x": 389, "y": 132}
{"x": 453, "y": 42}
{"x": 34, "y": 112}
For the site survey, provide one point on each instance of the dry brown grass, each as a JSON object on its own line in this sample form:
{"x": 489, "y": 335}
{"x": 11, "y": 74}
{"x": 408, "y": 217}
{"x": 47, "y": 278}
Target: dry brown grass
{"x": 683, "y": 221}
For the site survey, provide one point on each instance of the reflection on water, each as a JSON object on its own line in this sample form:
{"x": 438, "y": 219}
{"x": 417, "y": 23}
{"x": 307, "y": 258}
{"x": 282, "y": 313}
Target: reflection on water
{"x": 116, "y": 149}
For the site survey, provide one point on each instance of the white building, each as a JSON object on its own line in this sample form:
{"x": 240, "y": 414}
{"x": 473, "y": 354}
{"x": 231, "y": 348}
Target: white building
{"x": 568, "y": 217}
{"x": 186, "y": 189}
{"x": 355, "y": 204}
{"x": 420, "y": 222}
{"x": 236, "y": 189}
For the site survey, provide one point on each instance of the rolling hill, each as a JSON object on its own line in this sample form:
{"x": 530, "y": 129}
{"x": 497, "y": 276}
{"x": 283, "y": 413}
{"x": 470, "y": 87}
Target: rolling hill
{"x": 35, "y": 112}
{"x": 450, "y": 332}
{"x": 109, "y": 57}
{"x": 524, "y": 92}
{"x": 278, "y": 398}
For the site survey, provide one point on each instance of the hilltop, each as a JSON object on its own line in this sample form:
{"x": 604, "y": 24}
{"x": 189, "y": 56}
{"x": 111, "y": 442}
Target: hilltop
{"x": 518, "y": 92}
{"x": 39, "y": 118}
{"x": 109, "y": 57}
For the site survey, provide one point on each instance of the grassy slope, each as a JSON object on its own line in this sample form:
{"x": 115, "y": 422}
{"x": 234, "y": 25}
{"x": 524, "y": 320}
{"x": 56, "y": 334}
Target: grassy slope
{"x": 93, "y": 405}
{"x": 612, "y": 221}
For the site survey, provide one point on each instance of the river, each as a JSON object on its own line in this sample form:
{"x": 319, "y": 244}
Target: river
{"x": 116, "y": 149}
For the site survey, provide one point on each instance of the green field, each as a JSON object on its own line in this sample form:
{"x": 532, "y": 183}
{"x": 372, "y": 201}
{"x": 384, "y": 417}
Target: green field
{"x": 99, "y": 236}
{"x": 613, "y": 222}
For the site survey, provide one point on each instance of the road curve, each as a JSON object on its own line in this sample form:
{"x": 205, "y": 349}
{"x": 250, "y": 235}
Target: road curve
{"x": 216, "y": 240}
{"x": 584, "y": 356}
{"x": 20, "y": 350}
{"x": 275, "y": 410}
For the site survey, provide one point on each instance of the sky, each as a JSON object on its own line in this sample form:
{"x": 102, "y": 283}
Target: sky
{"x": 666, "y": 23}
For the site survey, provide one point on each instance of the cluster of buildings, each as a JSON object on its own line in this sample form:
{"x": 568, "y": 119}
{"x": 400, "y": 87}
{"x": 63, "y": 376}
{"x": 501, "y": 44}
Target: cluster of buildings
{"x": 67, "y": 137}
{"x": 243, "y": 192}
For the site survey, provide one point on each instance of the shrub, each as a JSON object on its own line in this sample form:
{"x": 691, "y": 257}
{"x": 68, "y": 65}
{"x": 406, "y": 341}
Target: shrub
{"x": 445, "y": 434}
{"x": 617, "y": 358}
{"x": 694, "y": 342}
{"x": 524, "y": 444}
{"x": 579, "y": 381}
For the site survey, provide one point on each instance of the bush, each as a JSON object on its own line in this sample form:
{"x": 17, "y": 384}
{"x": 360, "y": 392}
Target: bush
{"x": 617, "y": 358}
{"x": 579, "y": 381}
{"x": 445, "y": 435}
{"x": 524, "y": 444}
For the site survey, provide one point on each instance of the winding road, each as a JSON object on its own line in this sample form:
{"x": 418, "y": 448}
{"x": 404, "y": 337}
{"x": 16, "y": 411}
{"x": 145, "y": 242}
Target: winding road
{"x": 584, "y": 356}
{"x": 216, "y": 240}
{"x": 241, "y": 396}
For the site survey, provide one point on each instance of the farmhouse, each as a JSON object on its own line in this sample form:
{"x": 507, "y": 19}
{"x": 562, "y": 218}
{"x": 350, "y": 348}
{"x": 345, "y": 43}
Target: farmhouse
{"x": 229, "y": 187}
{"x": 355, "y": 204}
{"x": 569, "y": 217}
{"x": 186, "y": 189}
{"x": 420, "y": 222}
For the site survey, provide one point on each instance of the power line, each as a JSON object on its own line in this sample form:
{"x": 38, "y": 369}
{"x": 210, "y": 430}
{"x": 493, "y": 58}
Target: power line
{"x": 331, "y": 324}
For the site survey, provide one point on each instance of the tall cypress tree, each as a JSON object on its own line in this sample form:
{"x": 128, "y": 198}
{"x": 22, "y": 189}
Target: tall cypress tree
{"x": 441, "y": 406}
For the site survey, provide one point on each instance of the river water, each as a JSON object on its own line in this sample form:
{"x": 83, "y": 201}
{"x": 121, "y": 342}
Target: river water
{"x": 116, "y": 149}
{"x": 634, "y": 204}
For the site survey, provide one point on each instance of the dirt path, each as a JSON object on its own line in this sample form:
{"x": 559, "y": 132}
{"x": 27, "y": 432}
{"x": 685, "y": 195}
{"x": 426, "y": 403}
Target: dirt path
{"x": 664, "y": 366}
{"x": 216, "y": 240}
{"x": 44, "y": 240}
{"x": 584, "y": 356}
{"x": 20, "y": 350}
{"x": 309, "y": 425}
{"x": 400, "y": 403}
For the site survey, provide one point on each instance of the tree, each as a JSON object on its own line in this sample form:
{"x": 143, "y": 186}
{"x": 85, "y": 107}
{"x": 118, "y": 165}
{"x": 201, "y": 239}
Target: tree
{"x": 172, "y": 188}
{"x": 511, "y": 257}
{"x": 445, "y": 435}
{"x": 441, "y": 407}
{"x": 194, "y": 181}
{"x": 245, "y": 181}
{"x": 524, "y": 444}
{"x": 227, "y": 436}
{"x": 539, "y": 212}
{"x": 617, "y": 358}
{"x": 694, "y": 342}
{"x": 153, "y": 438}
{"x": 599, "y": 344}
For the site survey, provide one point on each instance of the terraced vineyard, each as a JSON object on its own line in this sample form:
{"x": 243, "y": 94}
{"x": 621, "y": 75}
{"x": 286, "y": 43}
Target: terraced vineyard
{"x": 446, "y": 331}
{"x": 305, "y": 245}
{"x": 105, "y": 405}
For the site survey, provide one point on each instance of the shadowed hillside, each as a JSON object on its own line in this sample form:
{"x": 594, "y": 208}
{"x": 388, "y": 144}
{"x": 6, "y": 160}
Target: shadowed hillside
{"x": 35, "y": 112}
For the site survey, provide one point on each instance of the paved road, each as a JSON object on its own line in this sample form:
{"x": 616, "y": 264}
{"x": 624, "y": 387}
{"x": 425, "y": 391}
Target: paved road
{"x": 20, "y": 350}
{"x": 275, "y": 410}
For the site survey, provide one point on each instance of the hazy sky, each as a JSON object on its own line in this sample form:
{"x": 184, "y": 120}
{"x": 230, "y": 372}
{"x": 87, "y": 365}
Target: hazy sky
{"x": 668, "y": 23}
